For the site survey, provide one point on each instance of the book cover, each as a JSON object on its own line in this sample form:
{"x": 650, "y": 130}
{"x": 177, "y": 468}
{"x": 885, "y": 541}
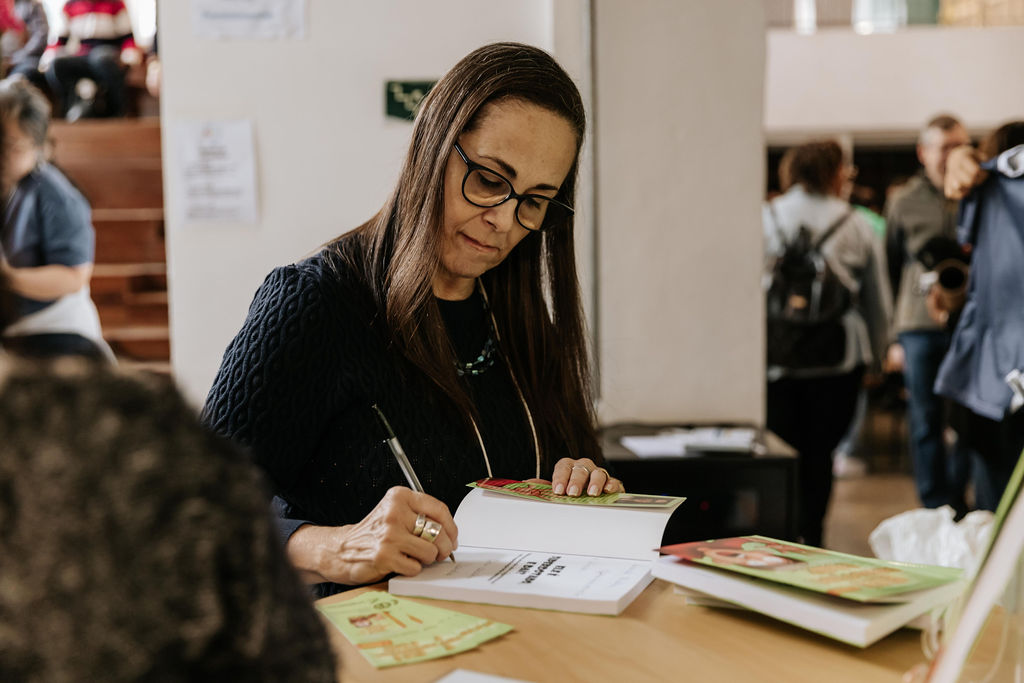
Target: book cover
{"x": 855, "y": 623}
{"x": 861, "y": 579}
{"x": 543, "y": 492}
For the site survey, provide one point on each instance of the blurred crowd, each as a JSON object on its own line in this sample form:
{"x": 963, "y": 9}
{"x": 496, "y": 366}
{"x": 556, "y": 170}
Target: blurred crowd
{"x": 84, "y": 59}
{"x": 922, "y": 288}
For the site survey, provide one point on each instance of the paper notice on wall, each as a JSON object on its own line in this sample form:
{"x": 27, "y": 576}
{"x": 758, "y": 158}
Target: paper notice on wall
{"x": 214, "y": 167}
{"x": 249, "y": 18}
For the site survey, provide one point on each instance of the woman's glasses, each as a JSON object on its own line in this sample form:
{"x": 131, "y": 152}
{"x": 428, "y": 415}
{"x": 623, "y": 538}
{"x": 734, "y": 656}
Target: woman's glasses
{"x": 486, "y": 188}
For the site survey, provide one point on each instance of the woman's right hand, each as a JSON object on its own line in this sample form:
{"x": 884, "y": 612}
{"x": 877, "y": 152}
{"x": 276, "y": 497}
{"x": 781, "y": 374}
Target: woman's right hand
{"x": 382, "y": 543}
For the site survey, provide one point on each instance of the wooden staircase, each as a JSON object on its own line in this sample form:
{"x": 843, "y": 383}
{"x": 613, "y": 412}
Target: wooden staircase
{"x": 117, "y": 165}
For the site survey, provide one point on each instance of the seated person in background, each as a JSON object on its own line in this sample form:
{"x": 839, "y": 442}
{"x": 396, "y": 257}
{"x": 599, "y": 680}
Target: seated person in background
{"x": 988, "y": 341}
{"x": 455, "y": 310}
{"x": 95, "y": 44}
{"x": 46, "y": 238}
{"x": 9, "y": 22}
{"x": 813, "y": 383}
{"x": 154, "y": 70}
{"x": 22, "y": 50}
{"x": 135, "y": 545}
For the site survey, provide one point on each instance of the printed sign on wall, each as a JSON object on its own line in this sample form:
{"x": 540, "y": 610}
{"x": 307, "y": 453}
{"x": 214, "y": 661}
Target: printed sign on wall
{"x": 214, "y": 163}
{"x": 249, "y": 18}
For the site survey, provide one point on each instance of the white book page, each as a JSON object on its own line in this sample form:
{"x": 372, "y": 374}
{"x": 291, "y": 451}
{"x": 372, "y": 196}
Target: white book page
{"x": 529, "y": 579}
{"x": 495, "y": 520}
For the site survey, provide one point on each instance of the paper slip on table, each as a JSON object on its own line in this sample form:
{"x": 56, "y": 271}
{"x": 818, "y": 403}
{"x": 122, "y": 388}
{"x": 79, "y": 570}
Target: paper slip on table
{"x": 657, "y": 638}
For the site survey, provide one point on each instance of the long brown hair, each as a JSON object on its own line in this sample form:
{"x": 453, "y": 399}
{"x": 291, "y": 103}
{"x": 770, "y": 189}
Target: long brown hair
{"x": 534, "y": 293}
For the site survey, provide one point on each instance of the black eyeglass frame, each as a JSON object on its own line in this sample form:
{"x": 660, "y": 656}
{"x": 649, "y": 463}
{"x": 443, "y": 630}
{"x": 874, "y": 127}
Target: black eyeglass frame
{"x": 512, "y": 194}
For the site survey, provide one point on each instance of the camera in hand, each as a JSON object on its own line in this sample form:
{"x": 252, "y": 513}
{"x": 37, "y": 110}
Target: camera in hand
{"x": 948, "y": 265}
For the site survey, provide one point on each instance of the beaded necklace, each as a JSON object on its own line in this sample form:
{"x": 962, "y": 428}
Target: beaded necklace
{"x": 485, "y": 359}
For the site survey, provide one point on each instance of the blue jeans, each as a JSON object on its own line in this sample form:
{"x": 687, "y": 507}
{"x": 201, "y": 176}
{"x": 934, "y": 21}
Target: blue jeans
{"x": 102, "y": 65}
{"x": 941, "y": 476}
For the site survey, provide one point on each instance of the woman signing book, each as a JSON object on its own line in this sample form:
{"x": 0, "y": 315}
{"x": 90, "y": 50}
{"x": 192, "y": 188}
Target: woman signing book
{"x": 455, "y": 310}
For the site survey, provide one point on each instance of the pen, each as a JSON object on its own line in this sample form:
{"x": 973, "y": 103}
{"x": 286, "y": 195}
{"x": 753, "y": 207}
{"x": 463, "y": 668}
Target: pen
{"x": 400, "y": 456}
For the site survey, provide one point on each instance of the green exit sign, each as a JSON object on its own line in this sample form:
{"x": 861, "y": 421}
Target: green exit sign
{"x": 402, "y": 98}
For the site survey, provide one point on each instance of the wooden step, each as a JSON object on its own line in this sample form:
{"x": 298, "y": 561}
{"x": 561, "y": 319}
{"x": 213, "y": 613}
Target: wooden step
{"x": 133, "y": 311}
{"x": 140, "y": 342}
{"x": 119, "y": 185}
{"x": 113, "y": 139}
{"x": 157, "y": 367}
{"x": 124, "y": 279}
{"x": 129, "y": 241}
{"x": 115, "y": 163}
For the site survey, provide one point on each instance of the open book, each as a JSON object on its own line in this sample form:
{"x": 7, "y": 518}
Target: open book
{"x": 527, "y": 552}
{"x": 856, "y": 600}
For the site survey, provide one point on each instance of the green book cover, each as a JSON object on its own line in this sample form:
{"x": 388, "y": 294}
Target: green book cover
{"x": 543, "y": 492}
{"x": 863, "y": 579}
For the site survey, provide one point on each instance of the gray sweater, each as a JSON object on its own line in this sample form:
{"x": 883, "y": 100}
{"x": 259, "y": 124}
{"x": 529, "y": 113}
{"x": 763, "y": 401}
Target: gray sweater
{"x": 916, "y": 215}
{"x": 856, "y": 256}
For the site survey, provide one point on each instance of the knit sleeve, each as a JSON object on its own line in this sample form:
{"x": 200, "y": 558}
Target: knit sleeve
{"x": 273, "y": 394}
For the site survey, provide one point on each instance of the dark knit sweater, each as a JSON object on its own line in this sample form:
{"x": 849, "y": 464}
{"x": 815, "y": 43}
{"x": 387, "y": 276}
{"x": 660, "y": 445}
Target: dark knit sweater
{"x": 296, "y": 385}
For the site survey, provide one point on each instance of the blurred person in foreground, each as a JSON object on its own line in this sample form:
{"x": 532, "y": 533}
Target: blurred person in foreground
{"x": 918, "y": 217}
{"x": 986, "y": 356}
{"x": 813, "y": 387}
{"x": 135, "y": 545}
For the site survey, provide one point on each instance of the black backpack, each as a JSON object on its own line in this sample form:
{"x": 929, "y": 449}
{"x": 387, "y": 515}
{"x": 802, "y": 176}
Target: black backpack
{"x": 805, "y": 303}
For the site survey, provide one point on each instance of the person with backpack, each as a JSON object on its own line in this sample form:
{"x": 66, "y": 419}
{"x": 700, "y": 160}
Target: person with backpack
{"x": 828, "y": 302}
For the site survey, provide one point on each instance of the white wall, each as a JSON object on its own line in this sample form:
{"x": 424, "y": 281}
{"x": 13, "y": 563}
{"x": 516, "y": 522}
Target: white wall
{"x": 327, "y": 157}
{"x": 886, "y": 85}
{"x": 680, "y": 176}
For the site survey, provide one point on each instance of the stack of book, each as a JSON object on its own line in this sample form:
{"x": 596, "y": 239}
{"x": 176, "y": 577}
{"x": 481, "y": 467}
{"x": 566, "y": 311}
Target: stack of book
{"x": 856, "y": 600}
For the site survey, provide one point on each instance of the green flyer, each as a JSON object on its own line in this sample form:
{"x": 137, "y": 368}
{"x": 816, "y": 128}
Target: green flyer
{"x": 390, "y": 631}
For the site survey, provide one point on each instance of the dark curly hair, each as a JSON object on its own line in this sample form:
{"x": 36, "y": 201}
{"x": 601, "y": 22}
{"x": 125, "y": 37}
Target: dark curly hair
{"x": 135, "y": 545}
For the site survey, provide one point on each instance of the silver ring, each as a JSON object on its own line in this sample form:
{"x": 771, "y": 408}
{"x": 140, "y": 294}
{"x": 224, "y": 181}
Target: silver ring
{"x": 582, "y": 467}
{"x": 431, "y": 530}
{"x": 421, "y": 520}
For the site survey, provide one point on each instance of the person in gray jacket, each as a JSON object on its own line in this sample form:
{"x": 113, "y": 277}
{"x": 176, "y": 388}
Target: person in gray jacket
{"x": 811, "y": 407}
{"x": 916, "y": 217}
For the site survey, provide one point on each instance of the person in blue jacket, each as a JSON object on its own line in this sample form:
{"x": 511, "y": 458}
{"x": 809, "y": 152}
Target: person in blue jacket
{"x": 981, "y": 370}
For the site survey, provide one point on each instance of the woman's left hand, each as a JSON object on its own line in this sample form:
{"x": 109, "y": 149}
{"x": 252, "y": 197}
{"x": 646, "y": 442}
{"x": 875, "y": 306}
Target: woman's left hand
{"x": 583, "y": 476}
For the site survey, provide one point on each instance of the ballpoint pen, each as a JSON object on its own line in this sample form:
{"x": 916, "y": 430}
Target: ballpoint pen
{"x": 400, "y": 456}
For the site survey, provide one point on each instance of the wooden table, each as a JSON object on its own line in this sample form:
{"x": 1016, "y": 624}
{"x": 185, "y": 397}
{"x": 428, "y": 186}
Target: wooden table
{"x": 658, "y": 638}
